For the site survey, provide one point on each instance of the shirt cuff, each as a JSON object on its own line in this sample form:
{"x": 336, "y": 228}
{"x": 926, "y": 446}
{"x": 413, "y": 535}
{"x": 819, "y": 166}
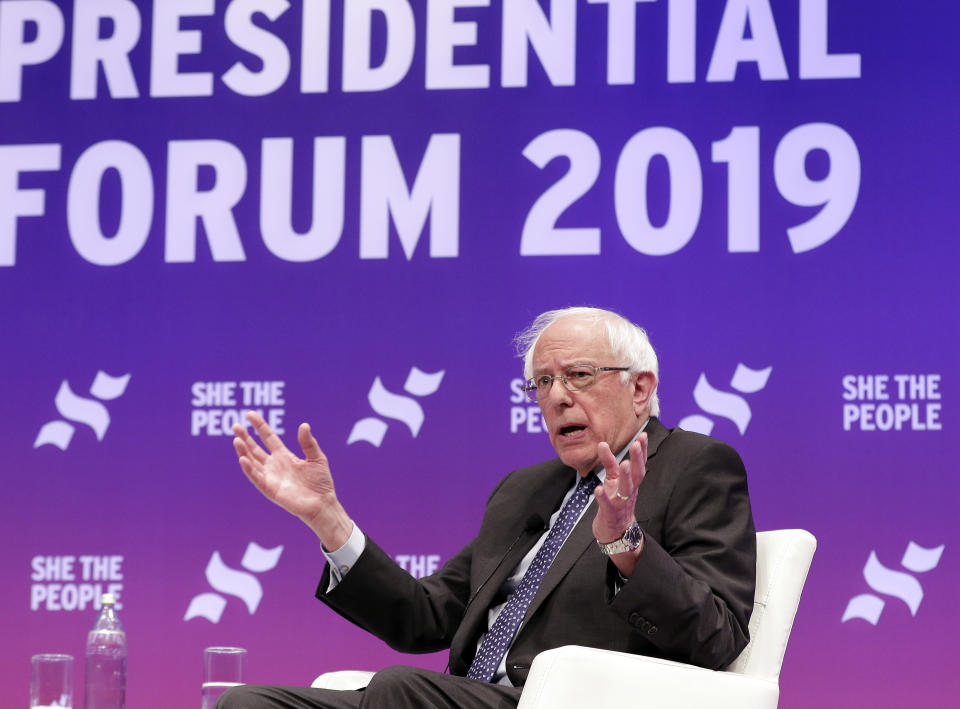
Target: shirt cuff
{"x": 342, "y": 560}
{"x": 619, "y": 580}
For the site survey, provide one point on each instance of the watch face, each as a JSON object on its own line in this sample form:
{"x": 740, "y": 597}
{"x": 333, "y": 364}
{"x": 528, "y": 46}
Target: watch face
{"x": 633, "y": 536}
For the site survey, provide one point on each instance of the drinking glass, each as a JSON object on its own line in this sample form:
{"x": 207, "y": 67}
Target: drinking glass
{"x": 51, "y": 681}
{"x": 223, "y": 667}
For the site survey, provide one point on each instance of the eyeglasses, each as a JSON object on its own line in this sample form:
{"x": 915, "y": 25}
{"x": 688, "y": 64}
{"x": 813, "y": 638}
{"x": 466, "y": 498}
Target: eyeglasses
{"x": 575, "y": 378}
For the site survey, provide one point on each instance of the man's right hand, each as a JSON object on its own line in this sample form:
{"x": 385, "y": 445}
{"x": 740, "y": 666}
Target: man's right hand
{"x": 301, "y": 486}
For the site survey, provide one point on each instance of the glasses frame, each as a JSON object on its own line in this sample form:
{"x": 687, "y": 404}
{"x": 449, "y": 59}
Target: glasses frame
{"x": 530, "y": 388}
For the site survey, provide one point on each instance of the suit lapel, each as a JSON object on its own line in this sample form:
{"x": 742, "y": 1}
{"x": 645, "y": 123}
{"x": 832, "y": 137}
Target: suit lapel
{"x": 543, "y": 499}
{"x": 656, "y": 434}
{"x": 578, "y": 543}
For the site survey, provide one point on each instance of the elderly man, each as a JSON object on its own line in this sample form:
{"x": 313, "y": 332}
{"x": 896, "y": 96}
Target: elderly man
{"x": 638, "y": 538}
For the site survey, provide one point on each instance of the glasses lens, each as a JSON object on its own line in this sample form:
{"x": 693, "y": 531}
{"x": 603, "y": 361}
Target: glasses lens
{"x": 580, "y": 377}
{"x": 530, "y": 389}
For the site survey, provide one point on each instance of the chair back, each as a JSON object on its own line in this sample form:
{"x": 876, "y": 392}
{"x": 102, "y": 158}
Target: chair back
{"x": 783, "y": 560}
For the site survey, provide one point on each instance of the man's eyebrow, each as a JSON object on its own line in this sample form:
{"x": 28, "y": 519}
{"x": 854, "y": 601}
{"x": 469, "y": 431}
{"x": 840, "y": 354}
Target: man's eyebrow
{"x": 565, "y": 366}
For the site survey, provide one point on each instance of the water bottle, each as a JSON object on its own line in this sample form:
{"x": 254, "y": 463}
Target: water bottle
{"x": 106, "y": 675}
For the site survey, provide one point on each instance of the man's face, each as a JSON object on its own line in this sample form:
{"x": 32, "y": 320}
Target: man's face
{"x": 610, "y": 410}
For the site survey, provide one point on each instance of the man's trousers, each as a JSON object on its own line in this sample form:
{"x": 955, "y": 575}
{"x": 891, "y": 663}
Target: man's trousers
{"x": 392, "y": 688}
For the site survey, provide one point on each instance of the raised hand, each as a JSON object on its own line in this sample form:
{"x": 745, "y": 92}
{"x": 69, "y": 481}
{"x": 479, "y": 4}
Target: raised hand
{"x": 617, "y": 497}
{"x": 302, "y": 486}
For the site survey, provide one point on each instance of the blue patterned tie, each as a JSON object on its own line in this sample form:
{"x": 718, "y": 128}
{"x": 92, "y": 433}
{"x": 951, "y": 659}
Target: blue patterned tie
{"x": 496, "y": 642}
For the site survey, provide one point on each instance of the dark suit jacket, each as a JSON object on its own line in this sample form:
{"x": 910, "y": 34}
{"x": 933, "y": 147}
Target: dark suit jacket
{"x": 689, "y": 598}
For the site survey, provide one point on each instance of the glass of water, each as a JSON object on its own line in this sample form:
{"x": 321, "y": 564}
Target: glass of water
{"x": 223, "y": 667}
{"x": 51, "y": 681}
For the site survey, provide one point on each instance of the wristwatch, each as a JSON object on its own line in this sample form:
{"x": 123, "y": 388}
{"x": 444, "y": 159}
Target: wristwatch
{"x": 631, "y": 540}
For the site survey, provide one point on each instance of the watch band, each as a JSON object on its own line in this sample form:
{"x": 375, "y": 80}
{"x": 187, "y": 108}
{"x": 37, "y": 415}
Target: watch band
{"x": 631, "y": 539}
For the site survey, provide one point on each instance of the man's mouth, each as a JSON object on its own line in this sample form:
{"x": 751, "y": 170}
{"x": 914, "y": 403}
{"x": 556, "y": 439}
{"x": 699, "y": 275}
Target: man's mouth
{"x": 570, "y": 431}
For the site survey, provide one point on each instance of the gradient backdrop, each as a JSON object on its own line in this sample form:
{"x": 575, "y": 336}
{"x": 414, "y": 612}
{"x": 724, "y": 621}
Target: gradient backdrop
{"x": 342, "y": 212}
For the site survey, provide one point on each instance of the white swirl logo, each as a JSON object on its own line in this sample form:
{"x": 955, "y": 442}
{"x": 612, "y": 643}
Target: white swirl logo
{"x": 395, "y": 406}
{"x": 240, "y": 584}
{"x": 82, "y": 410}
{"x": 889, "y": 582}
{"x": 721, "y": 403}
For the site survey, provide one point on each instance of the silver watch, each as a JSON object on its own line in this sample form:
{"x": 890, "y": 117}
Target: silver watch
{"x": 632, "y": 538}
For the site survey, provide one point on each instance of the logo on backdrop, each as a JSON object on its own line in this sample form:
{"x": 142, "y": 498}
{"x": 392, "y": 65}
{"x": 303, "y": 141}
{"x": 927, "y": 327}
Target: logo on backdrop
{"x": 524, "y": 416}
{"x": 885, "y": 402}
{"x": 240, "y": 584}
{"x": 890, "y": 582}
{"x": 74, "y": 583}
{"x": 401, "y": 408}
{"x": 80, "y": 409}
{"x": 217, "y": 406}
{"x": 726, "y": 404}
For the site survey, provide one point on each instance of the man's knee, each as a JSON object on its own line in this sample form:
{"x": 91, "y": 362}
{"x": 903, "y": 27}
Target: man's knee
{"x": 394, "y": 679}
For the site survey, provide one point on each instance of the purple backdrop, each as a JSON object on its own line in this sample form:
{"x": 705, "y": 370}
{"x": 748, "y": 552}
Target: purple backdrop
{"x": 473, "y": 168}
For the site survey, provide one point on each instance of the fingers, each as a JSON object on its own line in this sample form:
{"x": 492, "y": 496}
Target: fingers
{"x": 244, "y": 452}
{"x": 250, "y": 447}
{"x": 607, "y": 458}
{"x": 625, "y": 486}
{"x": 622, "y": 479}
{"x": 617, "y": 497}
{"x": 605, "y": 492}
{"x": 309, "y": 445}
{"x": 638, "y": 460}
{"x": 270, "y": 439}
{"x": 609, "y": 462}
{"x": 251, "y": 468}
{"x": 250, "y": 456}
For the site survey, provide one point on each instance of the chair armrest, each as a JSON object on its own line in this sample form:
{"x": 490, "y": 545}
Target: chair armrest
{"x": 577, "y": 677}
{"x": 344, "y": 679}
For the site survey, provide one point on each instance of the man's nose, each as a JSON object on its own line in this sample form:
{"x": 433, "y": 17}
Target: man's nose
{"x": 558, "y": 393}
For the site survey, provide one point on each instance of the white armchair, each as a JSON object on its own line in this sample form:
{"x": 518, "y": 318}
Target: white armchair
{"x": 575, "y": 676}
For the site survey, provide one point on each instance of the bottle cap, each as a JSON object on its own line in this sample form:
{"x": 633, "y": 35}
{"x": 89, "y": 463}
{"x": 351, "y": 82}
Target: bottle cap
{"x": 108, "y": 599}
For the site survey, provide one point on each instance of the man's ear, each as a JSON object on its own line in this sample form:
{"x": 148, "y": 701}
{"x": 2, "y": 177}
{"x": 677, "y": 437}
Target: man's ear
{"x": 644, "y": 384}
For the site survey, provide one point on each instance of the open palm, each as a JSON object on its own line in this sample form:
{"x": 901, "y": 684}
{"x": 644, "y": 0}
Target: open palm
{"x": 302, "y": 486}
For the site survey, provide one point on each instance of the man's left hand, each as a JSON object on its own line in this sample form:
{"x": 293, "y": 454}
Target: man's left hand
{"x": 617, "y": 497}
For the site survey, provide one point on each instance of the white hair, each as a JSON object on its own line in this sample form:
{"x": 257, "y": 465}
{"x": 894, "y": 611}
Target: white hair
{"x": 628, "y": 342}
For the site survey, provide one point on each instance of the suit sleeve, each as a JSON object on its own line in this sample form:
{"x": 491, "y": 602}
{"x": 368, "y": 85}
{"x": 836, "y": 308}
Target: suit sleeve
{"x": 408, "y": 614}
{"x": 691, "y": 593}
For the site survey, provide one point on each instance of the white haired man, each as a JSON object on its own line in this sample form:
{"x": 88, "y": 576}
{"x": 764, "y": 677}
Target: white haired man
{"x": 636, "y": 538}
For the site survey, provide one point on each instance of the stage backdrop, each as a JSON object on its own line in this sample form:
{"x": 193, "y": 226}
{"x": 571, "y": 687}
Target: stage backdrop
{"x": 342, "y": 213}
